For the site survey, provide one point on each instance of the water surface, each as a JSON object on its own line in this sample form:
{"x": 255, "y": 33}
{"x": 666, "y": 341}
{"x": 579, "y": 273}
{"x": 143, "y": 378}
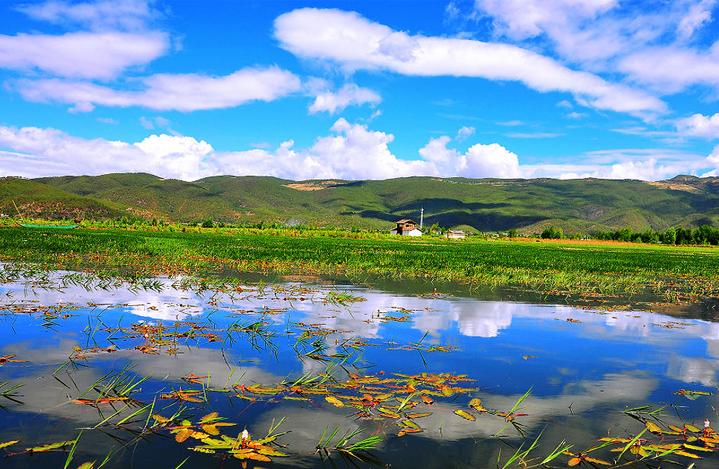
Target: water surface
{"x": 584, "y": 369}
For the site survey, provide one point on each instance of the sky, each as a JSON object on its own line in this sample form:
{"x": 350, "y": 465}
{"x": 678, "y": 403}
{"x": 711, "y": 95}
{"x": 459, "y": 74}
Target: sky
{"x": 322, "y": 89}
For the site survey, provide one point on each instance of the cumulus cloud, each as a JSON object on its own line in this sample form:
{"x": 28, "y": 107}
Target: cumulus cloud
{"x": 479, "y": 161}
{"x": 164, "y": 92}
{"x": 630, "y": 163}
{"x": 349, "y": 95}
{"x": 355, "y": 43}
{"x": 699, "y": 125}
{"x": 351, "y": 151}
{"x": 96, "y": 15}
{"x": 81, "y": 54}
{"x": 32, "y": 152}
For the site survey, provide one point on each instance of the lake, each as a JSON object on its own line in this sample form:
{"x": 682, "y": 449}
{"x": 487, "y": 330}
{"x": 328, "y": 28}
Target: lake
{"x": 431, "y": 380}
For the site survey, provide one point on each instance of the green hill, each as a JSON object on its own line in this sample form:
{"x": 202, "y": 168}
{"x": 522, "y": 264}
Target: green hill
{"x": 36, "y": 199}
{"x": 483, "y": 204}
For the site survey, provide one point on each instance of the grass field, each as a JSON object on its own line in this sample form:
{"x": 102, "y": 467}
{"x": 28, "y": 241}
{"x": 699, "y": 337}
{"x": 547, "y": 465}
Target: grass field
{"x": 581, "y": 269}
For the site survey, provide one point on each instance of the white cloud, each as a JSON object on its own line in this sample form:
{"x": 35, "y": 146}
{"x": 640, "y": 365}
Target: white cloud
{"x": 465, "y": 132}
{"x": 697, "y": 16}
{"x": 36, "y": 152}
{"x": 356, "y": 43}
{"x": 479, "y": 161}
{"x": 522, "y": 19}
{"x": 349, "y": 95}
{"x": 352, "y": 151}
{"x": 163, "y": 92}
{"x": 96, "y": 15}
{"x": 713, "y": 159}
{"x": 630, "y": 163}
{"x": 81, "y": 54}
{"x": 651, "y": 45}
{"x": 699, "y": 125}
{"x": 673, "y": 68}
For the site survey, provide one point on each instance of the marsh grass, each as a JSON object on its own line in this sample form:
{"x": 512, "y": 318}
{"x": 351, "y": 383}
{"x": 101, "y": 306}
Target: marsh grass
{"x": 581, "y": 270}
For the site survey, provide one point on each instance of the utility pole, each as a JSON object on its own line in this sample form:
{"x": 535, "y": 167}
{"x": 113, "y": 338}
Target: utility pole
{"x": 421, "y": 218}
{"x": 17, "y": 209}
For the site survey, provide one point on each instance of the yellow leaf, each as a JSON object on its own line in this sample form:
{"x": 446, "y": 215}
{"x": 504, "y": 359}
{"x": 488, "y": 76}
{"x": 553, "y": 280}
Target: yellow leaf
{"x": 214, "y": 442}
{"x": 687, "y": 455}
{"x": 160, "y": 418}
{"x": 696, "y": 448}
{"x": 653, "y": 427}
{"x": 87, "y": 465}
{"x": 209, "y": 417}
{"x": 465, "y": 415}
{"x": 210, "y": 429}
{"x": 50, "y": 447}
{"x": 8, "y": 443}
{"x": 183, "y": 435}
{"x": 203, "y": 450}
{"x": 574, "y": 462}
{"x": 267, "y": 451}
{"x": 258, "y": 457}
{"x": 476, "y": 404}
{"x": 419, "y": 415}
{"x": 334, "y": 401}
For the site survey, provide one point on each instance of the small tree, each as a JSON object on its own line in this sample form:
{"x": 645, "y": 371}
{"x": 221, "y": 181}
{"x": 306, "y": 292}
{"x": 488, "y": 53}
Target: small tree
{"x": 669, "y": 236}
{"x": 552, "y": 232}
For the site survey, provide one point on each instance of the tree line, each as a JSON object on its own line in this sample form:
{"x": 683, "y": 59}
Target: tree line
{"x": 704, "y": 234}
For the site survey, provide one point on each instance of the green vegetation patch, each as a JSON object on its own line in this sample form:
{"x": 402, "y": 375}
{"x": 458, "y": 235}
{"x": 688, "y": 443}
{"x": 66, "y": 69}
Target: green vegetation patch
{"x": 672, "y": 274}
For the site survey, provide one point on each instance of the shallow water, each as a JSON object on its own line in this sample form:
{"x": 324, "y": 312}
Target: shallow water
{"x": 584, "y": 369}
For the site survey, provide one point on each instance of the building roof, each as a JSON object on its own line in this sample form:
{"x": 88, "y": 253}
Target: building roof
{"x": 405, "y": 220}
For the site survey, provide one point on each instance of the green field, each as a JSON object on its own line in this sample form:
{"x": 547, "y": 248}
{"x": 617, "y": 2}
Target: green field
{"x": 582, "y": 270}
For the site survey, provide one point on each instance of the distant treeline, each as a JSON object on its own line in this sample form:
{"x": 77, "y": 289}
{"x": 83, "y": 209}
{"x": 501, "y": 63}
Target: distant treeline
{"x": 705, "y": 234}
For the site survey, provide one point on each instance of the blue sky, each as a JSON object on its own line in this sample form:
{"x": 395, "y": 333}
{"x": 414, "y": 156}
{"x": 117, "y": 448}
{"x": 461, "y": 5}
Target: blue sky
{"x": 360, "y": 90}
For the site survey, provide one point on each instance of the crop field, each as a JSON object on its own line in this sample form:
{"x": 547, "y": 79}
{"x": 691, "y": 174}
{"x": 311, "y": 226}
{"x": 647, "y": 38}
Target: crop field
{"x": 580, "y": 269}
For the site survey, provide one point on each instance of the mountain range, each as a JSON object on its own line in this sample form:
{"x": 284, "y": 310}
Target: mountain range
{"x": 577, "y": 205}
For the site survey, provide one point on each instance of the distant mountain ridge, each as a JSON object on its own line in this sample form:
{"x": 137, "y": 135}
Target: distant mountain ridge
{"x": 582, "y": 205}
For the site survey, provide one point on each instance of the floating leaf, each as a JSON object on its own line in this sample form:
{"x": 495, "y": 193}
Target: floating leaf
{"x": 210, "y": 417}
{"x": 476, "y": 404}
{"x": 418, "y": 415}
{"x": 334, "y": 401}
{"x": 654, "y": 428}
{"x": 50, "y": 447}
{"x": 465, "y": 415}
{"x": 8, "y": 443}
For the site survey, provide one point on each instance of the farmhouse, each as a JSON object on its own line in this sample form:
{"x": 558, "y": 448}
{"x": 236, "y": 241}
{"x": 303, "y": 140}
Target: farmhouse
{"x": 406, "y": 227}
{"x": 455, "y": 234}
